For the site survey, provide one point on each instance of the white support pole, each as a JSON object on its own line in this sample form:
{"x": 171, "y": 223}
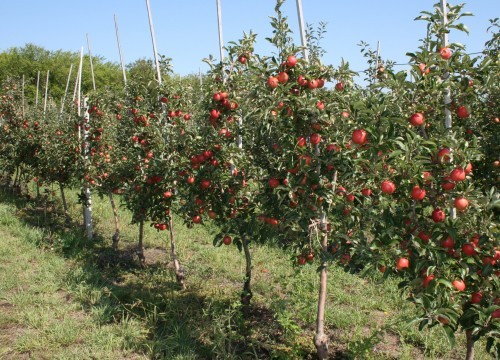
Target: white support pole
{"x": 37, "y": 88}
{"x": 303, "y": 38}
{"x": 152, "y": 30}
{"x": 376, "y": 59}
{"x": 221, "y": 41}
{"x": 66, "y": 91}
{"x": 46, "y": 92}
{"x": 447, "y": 91}
{"x": 91, "y": 63}
{"x": 78, "y": 87}
{"x": 120, "y": 51}
{"x": 22, "y": 94}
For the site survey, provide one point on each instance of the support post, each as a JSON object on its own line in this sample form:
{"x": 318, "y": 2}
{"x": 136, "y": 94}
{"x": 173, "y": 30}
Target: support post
{"x": 120, "y": 51}
{"x": 152, "y": 30}
{"x": 91, "y": 63}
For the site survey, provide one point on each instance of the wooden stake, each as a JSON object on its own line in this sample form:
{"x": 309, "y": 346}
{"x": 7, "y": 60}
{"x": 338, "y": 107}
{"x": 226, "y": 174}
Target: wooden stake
{"x": 78, "y": 86}
{"x": 303, "y": 39}
{"x": 152, "y": 30}
{"x": 66, "y": 90}
{"x": 120, "y": 51}
{"x": 221, "y": 41}
{"x": 37, "y": 88}
{"x": 22, "y": 94}
{"x": 46, "y": 92}
{"x": 91, "y": 63}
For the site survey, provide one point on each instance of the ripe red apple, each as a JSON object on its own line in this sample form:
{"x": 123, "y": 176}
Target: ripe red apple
{"x": 272, "y": 82}
{"x": 167, "y": 194}
{"x": 359, "y": 136}
{"x": 339, "y": 86}
{"x": 457, "y": 174}
{"x": 388, "y": 187}
{"x": 162, "y": 227}
{"x": 468, "y": 169}
{"x": 211, "y": 214}
{"x": 445, "y": 53}
{"x": 462, "y": 112}
{"x": 273, "y": 183}
{"x": 458, "y": 284}
{"x": 312, "y": 84}
{"x": 495, "y": 314}
{"x": 402, "y": 263}
{"x": 447, "y": 184}
{"x": 301, "y": 141}
{"x": 438, "y": 215}
{"x": 196, "y": 219}
{"x": 444, "y": 155}
{"x": 461, "y": 203}
{"x": 417, "y": 193}
{"x": 291, "y": 61}
{"x": 282, "y": 77}
{"x": 301, "y": 260}
{"x": 366, "y": 192}
{"x": 315, "y": 138}
{"x": 424, "y": 70}
{"x": 302, "y": 80}
{"x": 190, "y": 180}
{"x": 468, "y": 249}
{"x": 417, "y": 119}
{"x": 227, "y": 240}
{"x": 428, "y": 279}
{"x": 242, "y": 59}
{"x": 476, "y": 297}
{"x": 423, "y": 236}
{"x": 448, "y": 243}
{"x": 320, "y": 105}
{"x": 205, "y": 184}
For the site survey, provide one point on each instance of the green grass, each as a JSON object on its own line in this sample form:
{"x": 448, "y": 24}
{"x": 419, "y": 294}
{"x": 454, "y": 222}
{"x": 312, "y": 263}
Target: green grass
{"x": 63, "y": 297}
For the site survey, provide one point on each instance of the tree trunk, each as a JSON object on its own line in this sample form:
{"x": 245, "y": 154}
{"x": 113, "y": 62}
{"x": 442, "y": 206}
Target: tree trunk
{"x": 116, "y": 236}
{"x": 179, "y": 272}
{"x": 470, "y": 345}
{"x": 65, "y": 205}
{"x": 246, "y": 295}
{"x": 16, "y": 178}
{"x": 321, "y": 339}
{"x": 140, "y": 249}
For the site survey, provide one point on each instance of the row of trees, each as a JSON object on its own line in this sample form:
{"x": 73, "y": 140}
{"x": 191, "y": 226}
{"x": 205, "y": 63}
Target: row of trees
{"x": 373, "y": 178}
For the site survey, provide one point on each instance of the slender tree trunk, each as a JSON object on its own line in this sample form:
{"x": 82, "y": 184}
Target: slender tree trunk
{"x": 321, "y": 339}
{"x": 16, "y": 178}
{"x": 246, "y": 295}
{"x": 179, "y": 272}
{"x": 140, "y": 249}
{"x": 470, "y": 345}
{"x": 65, "y": 204}
{"x": 116, "y": 236}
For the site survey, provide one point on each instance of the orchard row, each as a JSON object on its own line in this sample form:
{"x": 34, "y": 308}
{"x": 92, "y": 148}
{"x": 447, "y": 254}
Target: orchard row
{"x": 398, "y": 177}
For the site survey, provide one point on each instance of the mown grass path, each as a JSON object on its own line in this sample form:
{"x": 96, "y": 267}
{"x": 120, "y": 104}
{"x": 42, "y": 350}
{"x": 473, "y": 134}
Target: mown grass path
{"x": 64, "y": 298}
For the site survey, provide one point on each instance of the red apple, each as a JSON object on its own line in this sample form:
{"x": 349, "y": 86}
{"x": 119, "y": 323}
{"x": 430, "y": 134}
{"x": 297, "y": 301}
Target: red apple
{"x": 438, "y": 215}
{"x": 359, "y": 136}
{"x": 445, "y": 53}
{"x": 227, "y": 240}
{"x": 272, "y": 82}
{"x": 417, "y": 193}
{"x": 388, "y": 187}
{"x": 462, "y": 112}
{"x": 461, "y": 203}
{"x": 458, "y": 284}
{"x": 457, "y": 174}
{"x": 315, "y": 138}
{"x": 468, "y": 249}
{"x": 402, "y": 263}
{"x": 417, "y": 119}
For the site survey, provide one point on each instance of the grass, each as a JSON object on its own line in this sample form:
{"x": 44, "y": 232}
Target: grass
{"x": 63, "y": 297}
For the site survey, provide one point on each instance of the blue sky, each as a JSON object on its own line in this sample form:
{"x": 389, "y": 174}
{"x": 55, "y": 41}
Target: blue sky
{"x": 186, "y": 30}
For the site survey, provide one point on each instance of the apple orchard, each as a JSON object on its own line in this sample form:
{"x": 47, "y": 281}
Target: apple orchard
{"x": 399, "y": 176}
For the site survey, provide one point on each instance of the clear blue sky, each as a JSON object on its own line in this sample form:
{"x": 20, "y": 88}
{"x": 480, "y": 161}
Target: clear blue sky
{"x": 186, "y": 30}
